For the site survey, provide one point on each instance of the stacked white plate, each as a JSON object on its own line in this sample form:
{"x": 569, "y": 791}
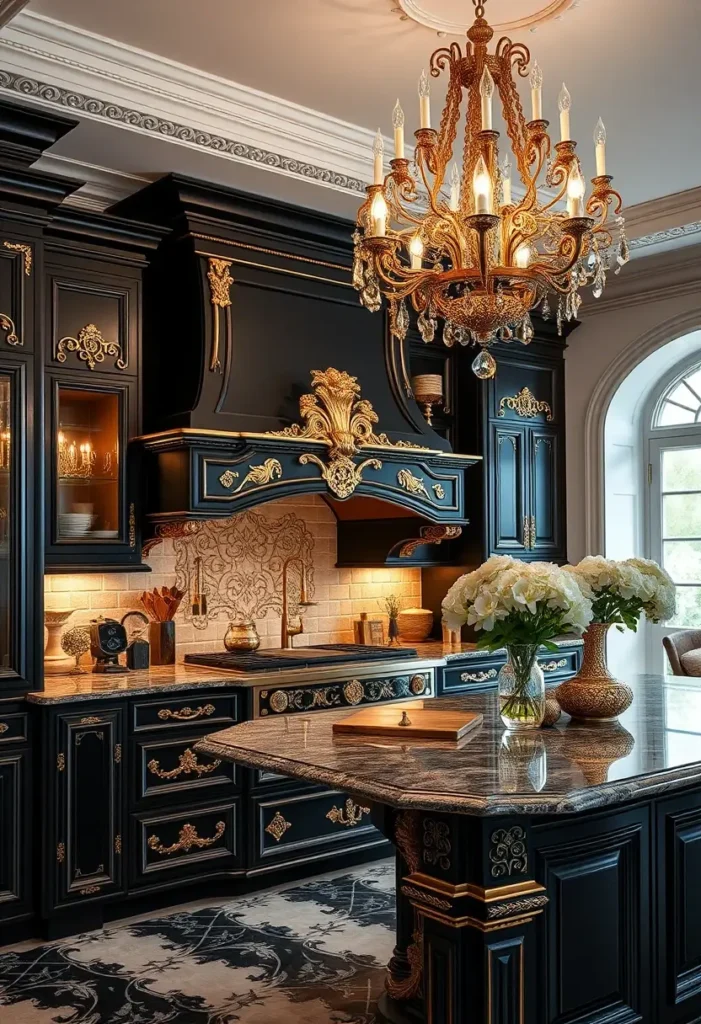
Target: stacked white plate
{"x": 74, "y": 524}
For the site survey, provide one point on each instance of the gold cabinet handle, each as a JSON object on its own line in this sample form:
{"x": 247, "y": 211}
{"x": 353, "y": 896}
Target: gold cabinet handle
{"x": 187, "y": 839}
{"x": 526, "y": 533}
{"x": 350, "y": 816}
{"x": 3, "y": 727}
{"x": 277, "y": 826}
{"x": 187, "y": 714}
{"x": 187, "y": 764}
{"x": 552, "y": 666}
{"x": 479, "y": 677}
{"x": 532, "y": 536}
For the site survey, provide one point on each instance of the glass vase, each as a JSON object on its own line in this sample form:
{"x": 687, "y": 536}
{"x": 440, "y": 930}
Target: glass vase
{"x": 521, "y": 688}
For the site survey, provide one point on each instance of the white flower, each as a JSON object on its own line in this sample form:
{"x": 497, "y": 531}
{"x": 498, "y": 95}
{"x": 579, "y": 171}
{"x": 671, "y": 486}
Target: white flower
{"x": 635, "y": 578}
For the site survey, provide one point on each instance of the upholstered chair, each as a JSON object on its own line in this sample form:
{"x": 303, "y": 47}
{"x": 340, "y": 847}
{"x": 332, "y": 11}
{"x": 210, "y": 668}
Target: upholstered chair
{"x": 684, "y": 652}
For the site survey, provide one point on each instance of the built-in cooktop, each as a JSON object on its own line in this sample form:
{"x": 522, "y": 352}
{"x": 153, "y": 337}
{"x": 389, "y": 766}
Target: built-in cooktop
{"x": 298, "y": 657}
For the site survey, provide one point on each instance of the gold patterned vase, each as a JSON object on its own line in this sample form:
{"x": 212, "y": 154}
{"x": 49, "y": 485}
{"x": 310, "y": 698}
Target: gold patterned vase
{"x": 593, "y": 694}
{"x": 242, "y": 636}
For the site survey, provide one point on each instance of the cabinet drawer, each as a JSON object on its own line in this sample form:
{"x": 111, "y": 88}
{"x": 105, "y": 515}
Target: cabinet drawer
{"x": 174, "y": 712}
{"x": 186, "y": 842}
{"x": 164, "y": 766}
{"x": 14, "y": 728}
{"x": 472, "y": 674}
{"x": 559, "y": 666}
{"x": 289, "y": 827}
{"x": 349, "y": 693}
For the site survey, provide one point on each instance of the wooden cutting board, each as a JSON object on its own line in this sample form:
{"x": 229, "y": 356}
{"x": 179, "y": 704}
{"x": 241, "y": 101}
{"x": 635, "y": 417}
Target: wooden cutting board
{"x": 424, "y": 724}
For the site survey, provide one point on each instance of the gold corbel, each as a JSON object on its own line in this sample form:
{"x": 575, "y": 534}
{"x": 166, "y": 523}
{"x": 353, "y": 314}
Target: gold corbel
{"x": 220, "y": 282}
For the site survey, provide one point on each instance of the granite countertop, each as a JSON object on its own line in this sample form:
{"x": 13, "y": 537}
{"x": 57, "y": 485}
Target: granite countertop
{"x": 653, "y": 749}
{"x": 61, "y": 689}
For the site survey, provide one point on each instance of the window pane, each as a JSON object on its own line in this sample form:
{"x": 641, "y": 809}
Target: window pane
{"x": 88, "y": 465}
{"x": 672, "y": 415}
{"x": 681, "y": 469}
{"x": 682, "y": 560}
{"x": 683, "y": 706}
{"x": 688, "y": 607}
{"x": 681, "y": 515}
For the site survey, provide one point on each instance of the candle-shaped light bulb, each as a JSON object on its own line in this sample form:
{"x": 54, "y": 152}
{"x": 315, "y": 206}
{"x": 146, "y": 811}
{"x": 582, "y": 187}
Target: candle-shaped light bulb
{"x": 522, "y": 256}
{"x": 455, "y": 188}
{"x": 398, "y": 124}
{"x": 378, "y": 152}
{"x": 506, "y": 180}
{"x": 61, "y": 438}
{"x": 537, "y": 92}
{"x": 600, "y": 143}
{"x": 564, "y": 102}
{"x": 482, "y": 187}
{"x": 424, "y": 101}
{"x": 378, "y": 213}
{"x": 416, "y": 251}
{"x": 486, "y": 93}
{"x": 575, "y": 192}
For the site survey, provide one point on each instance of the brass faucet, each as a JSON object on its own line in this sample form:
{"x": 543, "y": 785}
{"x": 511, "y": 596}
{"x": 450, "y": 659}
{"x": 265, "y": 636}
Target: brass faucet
{"x": 288, "y": 627}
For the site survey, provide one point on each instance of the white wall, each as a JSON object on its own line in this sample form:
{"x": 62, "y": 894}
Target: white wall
{"x": 653, "y": 301}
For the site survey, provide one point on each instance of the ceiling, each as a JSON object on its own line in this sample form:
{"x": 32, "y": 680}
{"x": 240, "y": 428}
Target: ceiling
{"x": 338, "y": 66}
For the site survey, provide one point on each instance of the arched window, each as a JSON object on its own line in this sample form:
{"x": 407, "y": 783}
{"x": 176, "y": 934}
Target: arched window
{"x": 674, "y": 477}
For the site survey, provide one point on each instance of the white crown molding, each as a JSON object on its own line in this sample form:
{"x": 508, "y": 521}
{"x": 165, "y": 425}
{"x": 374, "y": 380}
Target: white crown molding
{"x": 102, "y": 186}
{"x": 56, "y": 64}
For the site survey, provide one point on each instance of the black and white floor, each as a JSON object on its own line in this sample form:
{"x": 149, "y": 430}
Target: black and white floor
{"x": 313, "y": 952}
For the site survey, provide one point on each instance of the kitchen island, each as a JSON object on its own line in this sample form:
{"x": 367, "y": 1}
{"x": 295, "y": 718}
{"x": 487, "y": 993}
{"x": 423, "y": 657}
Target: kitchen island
{"x": 549, "y": 876}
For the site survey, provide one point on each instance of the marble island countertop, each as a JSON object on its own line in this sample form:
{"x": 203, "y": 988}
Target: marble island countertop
{"x": 654, "y": 748}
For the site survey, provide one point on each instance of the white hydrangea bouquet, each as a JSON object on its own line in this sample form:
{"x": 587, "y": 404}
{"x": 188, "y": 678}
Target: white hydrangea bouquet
{"x": 520, "y": 606}
{"x": 621, "y": 592}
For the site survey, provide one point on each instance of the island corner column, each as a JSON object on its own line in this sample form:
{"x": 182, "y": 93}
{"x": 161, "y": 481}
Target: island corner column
{"x": 475, "y": 901}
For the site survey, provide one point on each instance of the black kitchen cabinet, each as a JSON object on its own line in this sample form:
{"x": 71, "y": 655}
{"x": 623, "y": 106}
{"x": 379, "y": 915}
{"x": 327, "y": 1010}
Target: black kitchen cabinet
{"x": 16, "y": 873}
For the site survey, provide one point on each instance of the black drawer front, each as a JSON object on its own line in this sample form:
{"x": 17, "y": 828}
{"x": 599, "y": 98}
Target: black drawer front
{"x": 347, "y": 694}
{"x": 177, "y": 712}
{"x": 472, "y": 674}
{"x": 14, "y": 728}
{"x": 172, "y": 766}
{"x": 265, "y": 778}
{"x": 295, "y": 826}
{"x": 186, "y": 842}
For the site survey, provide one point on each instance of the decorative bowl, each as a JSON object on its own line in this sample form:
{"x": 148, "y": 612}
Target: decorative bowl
{"x": 242, "y": 636}
{"x": 415, "y": 624}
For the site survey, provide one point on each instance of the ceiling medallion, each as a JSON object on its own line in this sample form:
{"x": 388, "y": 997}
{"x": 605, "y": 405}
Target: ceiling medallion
{"x": 444, "y": 16}
{"x": 453, "y": 241}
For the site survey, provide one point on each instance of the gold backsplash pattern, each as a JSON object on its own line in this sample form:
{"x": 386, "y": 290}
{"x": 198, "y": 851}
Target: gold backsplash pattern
{"x": 256, "y": 541}
{"x": 242, "y": 560}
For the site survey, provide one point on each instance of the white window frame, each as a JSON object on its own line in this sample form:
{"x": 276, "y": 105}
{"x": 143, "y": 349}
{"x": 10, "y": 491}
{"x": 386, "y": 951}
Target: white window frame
{"x": 656, "y": 441}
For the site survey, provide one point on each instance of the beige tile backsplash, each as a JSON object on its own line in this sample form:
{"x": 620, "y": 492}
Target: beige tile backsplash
{"x": 341, "y": 594}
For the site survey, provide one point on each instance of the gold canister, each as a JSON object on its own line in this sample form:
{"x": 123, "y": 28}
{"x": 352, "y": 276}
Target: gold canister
{"x": 242, "y": 636}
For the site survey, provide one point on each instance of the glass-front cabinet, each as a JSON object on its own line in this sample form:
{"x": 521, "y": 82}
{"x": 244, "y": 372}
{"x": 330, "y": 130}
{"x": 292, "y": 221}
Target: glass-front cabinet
{"x": 92, "y": 518}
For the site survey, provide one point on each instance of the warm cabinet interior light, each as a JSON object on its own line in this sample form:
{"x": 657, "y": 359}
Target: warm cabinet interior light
{"x": 523, "y": 256}
{"x": 416, "y": 251}
{"x": 482, "y": 187}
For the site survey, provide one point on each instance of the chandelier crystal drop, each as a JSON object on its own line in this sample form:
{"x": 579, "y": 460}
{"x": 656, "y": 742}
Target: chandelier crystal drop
{"x": 446, "y": 232}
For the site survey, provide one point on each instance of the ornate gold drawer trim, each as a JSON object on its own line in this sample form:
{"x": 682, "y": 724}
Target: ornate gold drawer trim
{"x": 187, "y": 714}
{"x": 479, "y": 677}
{"x": 553, "y": 666}
{"x": 91, "y": 348}
{"x": 277, "y": 826}
{"x": 187, "y": 839}
{"x": 91, "y": 720}
{"x": 350, "y": 816}
{"x": 187, "y": 764}
{"x": 89, "y": 890}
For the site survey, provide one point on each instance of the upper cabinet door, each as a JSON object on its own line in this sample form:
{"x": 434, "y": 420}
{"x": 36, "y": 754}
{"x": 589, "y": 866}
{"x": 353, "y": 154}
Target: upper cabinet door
{"x": 524, "y": 392}
{"x": 507, "y": 526}
{"x": 546, "y": 497}
{"x": 93, "y": 318}
{"x": 17, "y": 270}
{"x": 91, "y": 514}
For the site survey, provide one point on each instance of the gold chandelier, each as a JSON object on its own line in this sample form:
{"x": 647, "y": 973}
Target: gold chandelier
{"x": 459, "y": 246}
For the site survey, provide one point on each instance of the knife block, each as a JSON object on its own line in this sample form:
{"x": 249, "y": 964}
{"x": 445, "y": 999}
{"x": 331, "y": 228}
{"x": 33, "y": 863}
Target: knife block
{"x": 161, "y": 636}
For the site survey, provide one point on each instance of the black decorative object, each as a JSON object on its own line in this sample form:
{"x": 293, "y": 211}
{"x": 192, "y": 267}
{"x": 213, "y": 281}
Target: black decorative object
{"x": 108, "y": 639}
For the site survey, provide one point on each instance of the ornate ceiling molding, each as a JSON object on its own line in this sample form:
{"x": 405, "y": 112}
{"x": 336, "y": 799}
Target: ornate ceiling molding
{"x": 420, "y": 12}
{"x": 101, "y": 79}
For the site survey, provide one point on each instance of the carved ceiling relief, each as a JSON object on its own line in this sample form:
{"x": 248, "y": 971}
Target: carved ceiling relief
{"x": 241, "y": 563}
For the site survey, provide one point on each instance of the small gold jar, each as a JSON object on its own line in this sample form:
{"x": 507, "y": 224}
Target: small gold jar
{"x": 242, "y": 636}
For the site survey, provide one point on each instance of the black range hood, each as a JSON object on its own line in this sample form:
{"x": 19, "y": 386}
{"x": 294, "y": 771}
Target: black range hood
{"x": 264, "y": 377}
